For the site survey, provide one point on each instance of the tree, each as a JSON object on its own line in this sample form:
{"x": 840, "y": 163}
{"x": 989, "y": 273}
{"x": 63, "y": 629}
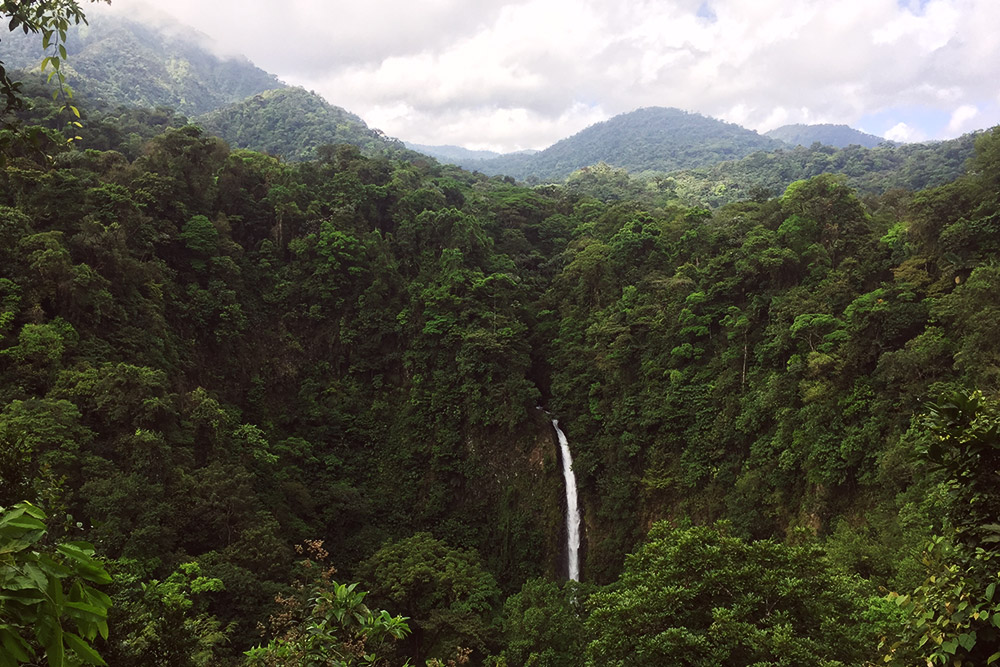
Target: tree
{"x": 331, "y": 627}
{"x": 49, "y": 607}
{"x": 953, "y": 617}
{"x": 52, "y": 19}
{"x": 164, "y": 623}
{"x": 444, "y": 590}
{"x": 543, "y": 624}
{"x": 699, "y": 596}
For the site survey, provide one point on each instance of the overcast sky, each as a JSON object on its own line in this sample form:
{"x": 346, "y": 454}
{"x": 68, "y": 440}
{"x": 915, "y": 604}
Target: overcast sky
{"x": 508, "y": 74}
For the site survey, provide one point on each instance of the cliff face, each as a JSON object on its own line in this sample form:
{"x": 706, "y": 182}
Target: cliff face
{"x": 522, "y": 488}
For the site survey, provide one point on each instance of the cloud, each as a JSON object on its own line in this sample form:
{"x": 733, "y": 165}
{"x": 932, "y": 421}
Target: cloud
{"x": 961, "y": 119}
{"x": 518, "y": 73}
{"x": 903, "y": 133}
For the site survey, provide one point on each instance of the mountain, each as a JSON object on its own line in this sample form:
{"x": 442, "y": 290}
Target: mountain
{"x": 452, "y": 154}
{"x": 869, "y": 170}
{"x": 839, "y": 136}
{"x": 293, "y": 123}
{"x": 649, "y": 139}
{"x": 121, "y": 61}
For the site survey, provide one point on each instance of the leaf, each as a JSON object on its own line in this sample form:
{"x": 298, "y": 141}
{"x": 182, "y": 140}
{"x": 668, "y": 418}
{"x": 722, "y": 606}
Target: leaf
{"x": 993, "y": 658}
{"x": 967, "y": 640}
{"x": 25, "y": 523}
{"x": 14, "y": 645}
{"x": 990, "y": 590}
{"x": 54, "y": 649}
{"x": 83, "y": 649}
{"x": 85, "y": 612}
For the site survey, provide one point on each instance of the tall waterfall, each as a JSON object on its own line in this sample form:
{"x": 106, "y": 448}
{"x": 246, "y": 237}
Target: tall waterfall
{"x": 572, "y": 508}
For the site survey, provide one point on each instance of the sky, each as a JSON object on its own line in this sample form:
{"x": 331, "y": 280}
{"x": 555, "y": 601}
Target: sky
{"x": 509, "y": 75}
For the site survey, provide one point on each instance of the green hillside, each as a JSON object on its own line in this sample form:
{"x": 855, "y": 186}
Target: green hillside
{"x": 869, "y": 170}
{"x": 652, "y": 139}
{"x": 119, "y": 61}
{"x": 452, "y": 154}
{"x": 838, "y": 136}
{"x": 293, "y": 123}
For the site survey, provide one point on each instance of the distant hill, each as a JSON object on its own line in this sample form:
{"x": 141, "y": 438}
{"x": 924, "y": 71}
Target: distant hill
{"x": 452, "y": 153}
{"x": 292, "y": 123}
{"x": 650, "y": 139}
{"x": 838, "y": 136}
{"x": 120, "y": 61}
{"x": 869, "y": 170}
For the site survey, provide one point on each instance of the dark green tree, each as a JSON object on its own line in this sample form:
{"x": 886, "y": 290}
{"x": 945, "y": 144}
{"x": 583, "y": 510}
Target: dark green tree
{"x": 444, "y": 591}
{"x": 699, "y": 596}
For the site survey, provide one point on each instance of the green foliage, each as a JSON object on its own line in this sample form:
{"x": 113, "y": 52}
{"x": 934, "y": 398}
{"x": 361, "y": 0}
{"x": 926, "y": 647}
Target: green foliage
{"x": 543, "y": 624}
{"x": 207, "y": 355}
{"x": 123, "y": 62}
{"x": 699, "y": 596}
{"x": 651, "y": 139}
{"x": 871, "y": 171}
{"x": 839, "y": 136}
{"x": 49, "y": 608}
{"x": 293, "y": 123}
{"x": 444, "y": 591}
{"x": 953, "y": 616}
{"x": 165, "y": 622}
{"x": 333, "y": 627}
{"x": 52, "y": 19}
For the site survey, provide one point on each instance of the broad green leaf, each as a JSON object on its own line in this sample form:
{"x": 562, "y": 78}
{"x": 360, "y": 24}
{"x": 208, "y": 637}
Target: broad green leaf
{"x": 967, "y": 640}
{"x": 85, "y": 652}
{"x": 14, "y": 645}
{"x": 87, "y": 612}
{"x": 54, "y": 649}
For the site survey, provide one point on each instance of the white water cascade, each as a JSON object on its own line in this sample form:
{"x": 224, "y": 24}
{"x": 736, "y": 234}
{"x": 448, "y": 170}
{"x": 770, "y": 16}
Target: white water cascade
{"x": 572, "y": 508}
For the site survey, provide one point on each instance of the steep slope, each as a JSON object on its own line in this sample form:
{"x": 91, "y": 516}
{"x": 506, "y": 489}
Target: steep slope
{"x": 293, "y": 123}
{"x": 839, "y": 136}
{"x": 120, "y": 61}
{"x": 650, "y": 139}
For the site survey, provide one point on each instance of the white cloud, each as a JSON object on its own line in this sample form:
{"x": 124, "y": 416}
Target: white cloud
{"x": 518, "y": 73}
{"x": 962, "y": 119}
{"x": 904, "y": 133}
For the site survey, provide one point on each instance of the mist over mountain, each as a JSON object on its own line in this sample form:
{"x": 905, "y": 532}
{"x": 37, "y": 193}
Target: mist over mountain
{"x": 121, "y": 61}
{"x": 839, "y": 136}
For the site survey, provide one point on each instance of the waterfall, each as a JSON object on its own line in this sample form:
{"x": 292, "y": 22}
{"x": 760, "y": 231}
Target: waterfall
{"x": 572, "y": 508}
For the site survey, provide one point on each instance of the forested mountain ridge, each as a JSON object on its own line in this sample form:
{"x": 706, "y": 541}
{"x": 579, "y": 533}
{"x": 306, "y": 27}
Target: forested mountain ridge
{"x": 121, "y": 61}
{"x": 293, "y": 123}
{"x": 650, "y": 139}
{"x": 838, "y": 136}
{"x": 452, "y": 154}
{"x": 872, "y": 171}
